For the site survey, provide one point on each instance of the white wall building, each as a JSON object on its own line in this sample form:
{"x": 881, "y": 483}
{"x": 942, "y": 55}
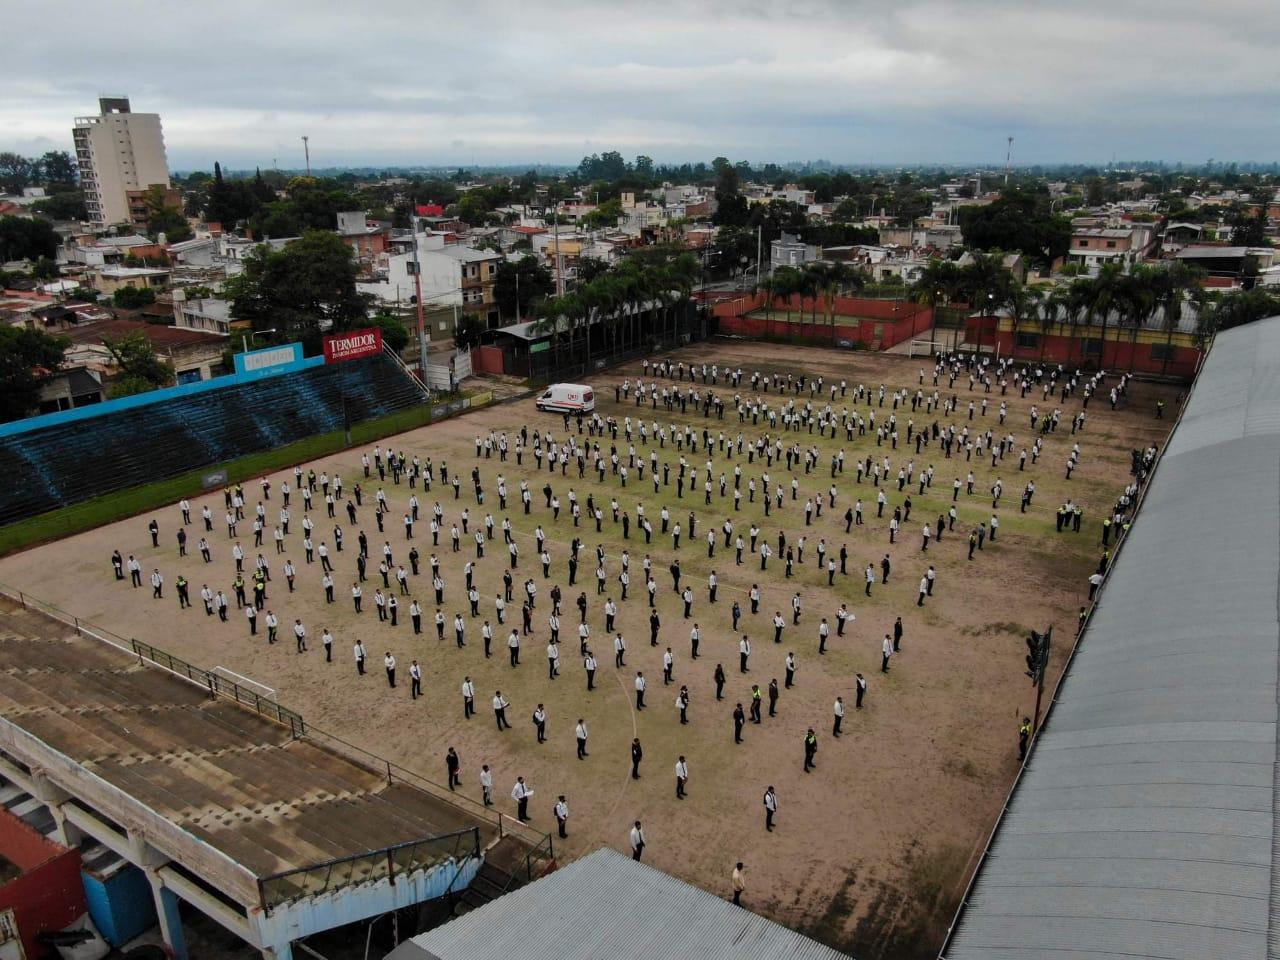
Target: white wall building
{"x": 118, "y": 151}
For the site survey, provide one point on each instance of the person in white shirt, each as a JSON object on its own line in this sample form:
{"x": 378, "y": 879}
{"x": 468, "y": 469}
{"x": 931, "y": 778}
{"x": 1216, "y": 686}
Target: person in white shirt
{"x": 641, "y": 684}
{"x": 838, "y": 713}
{"x": 637, "y": 841}
{"x": 389, "y": 663}
{"x": 358, "y": 651}
{"x": 521, "y": 793}
{"x": 580, "y": 733}
{"x": 500, "y": 705}
{"x": 682, "y": 777}
{"x": 486, "y": 785}
{"x": 886, "y": 651}
{"x": 770, "y": 807}
{"x": 468, "y": 698}
{"x": 561, "y": 811}
{"x": 744, "y": 653}
{"x": 415, "y": 680}
{"x": 553, "y": 661}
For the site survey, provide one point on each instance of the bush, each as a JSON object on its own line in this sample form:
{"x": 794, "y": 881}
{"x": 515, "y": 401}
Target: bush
{"x": 131, "y": 298}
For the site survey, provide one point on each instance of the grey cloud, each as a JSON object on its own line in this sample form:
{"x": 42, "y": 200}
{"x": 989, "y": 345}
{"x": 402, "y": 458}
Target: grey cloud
{"x": 858, "y": 80}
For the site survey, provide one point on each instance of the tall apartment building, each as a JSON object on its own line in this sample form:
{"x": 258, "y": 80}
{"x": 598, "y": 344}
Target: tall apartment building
{"x": 119, "y": 152}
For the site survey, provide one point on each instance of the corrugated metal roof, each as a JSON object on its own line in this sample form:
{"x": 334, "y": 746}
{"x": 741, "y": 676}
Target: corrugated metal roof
{"x": 608, "y": 907}
{"x": 1144, "y": 823}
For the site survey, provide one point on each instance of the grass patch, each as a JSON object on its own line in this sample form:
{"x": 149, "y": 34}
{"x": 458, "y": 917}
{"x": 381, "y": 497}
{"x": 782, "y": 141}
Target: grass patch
{"x": 110, "y": 507}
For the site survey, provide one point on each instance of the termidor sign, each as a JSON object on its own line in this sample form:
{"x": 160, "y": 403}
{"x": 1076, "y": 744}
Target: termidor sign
{"x": 349, "y": 346}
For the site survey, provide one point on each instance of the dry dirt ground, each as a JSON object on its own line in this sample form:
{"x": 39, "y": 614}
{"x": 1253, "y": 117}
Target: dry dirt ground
{"x": 871, "y": 849}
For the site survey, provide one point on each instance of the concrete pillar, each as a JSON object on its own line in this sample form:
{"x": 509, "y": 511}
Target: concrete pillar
{"x": 170, "y": 919}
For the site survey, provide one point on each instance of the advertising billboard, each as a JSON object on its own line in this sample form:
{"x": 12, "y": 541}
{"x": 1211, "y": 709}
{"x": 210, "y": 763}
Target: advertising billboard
{"x": 352, "y": 345}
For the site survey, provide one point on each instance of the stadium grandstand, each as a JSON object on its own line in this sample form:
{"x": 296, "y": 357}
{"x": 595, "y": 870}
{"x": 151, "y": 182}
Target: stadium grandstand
{"x": 223, "y": 800}
{"x": 65, "y": 458}
{"x": 1144, "y": 824}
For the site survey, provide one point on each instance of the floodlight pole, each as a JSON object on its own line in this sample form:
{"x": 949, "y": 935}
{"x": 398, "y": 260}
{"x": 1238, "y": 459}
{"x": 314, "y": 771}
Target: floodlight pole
{"x": 1046, "y": 643}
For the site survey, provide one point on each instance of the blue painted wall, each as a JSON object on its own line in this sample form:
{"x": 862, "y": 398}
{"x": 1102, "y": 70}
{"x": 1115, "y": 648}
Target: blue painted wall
{"x": 120, "y": 903}
{"x": 146, "y": 399}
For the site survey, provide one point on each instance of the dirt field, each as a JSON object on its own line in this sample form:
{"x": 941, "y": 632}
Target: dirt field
{"x": 871, "y": 849}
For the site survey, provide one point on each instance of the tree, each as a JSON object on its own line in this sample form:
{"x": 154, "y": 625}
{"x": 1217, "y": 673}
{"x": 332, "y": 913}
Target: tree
{"x": 57, "y": 167}
{"x": 27, "y": 359}
{"x": 301, "y": 290}
{"x": 520, "y": 284}
{"x": 394, "y": 333}
{"x": 63, "y": 205}
{"x": 15, "y": 172}
{"x": 140, "y": 369}
{"x": 605, "y": 215}
{"x": 131, "y": 298}
{"x": 1248, "y": 226}
{"x": 467, "y": 332}
{"x": 1018, "y": 221}
{"x": 165, "y": 219}
{"x": 23, "y": 239}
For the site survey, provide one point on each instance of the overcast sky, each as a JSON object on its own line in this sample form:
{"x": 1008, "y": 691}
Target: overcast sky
{"x": 487, "y": 82}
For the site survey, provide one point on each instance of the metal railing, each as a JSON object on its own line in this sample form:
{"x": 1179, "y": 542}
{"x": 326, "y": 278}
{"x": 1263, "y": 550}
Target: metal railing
{"x": 220, "y": 686}
{"x": 387, "y": 863}
{"x": 215, "y": 685}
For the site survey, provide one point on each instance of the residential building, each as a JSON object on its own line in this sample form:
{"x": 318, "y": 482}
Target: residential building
{"x": 790, "y": 251}
{"x": 139, "y": 211}
{"x": 118, "y": 151}
{"x": 1092, "y": 247}
{"x": 90, "y": 251}
{"x": 451, "y": 274}
{"x": 1231, "y": 264}
{"x": 206, "y": 314}
{"x": 107, "y": 280}
{"x": 367, "y": 242}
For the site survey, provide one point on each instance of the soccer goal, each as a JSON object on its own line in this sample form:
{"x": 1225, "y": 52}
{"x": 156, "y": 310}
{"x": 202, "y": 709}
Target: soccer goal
{"x": 927, "y": 348}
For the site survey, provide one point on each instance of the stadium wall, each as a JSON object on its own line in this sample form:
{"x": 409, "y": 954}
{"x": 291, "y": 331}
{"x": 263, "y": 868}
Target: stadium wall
{"x": 879, "y": 323}
{"x": 162, "y": 395}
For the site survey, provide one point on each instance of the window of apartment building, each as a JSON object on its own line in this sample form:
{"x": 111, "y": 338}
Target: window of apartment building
{"x": 1163, "y": 351}
{"x": 1111, "y": 244}
{"x": 410, "y": 268}
{"x": 1082, "y": 242}
{"x": 1029, "y": 340}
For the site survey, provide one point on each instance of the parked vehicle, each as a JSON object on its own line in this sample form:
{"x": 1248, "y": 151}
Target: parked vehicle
{"x": 567, "y": 398}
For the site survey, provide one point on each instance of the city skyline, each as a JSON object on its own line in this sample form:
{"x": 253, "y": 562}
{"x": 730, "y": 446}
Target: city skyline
{"x": 855, "y": 83}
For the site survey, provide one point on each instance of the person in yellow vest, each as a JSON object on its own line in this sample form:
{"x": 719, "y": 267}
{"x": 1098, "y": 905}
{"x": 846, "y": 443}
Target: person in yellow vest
{"x": 1024, "y": 738}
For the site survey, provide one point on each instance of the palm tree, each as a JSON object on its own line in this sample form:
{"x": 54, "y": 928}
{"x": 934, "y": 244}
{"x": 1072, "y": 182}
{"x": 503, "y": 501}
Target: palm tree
{"x": 1076, "y": 302}
{"x": 939, "y": 282}
{"x": 1022, "y": 304}
{"x": 988, "y": 283}
{"x": 1105, "y": 290}
{"x": 1049, "y": 307}
{"x": 1172, "y": 287}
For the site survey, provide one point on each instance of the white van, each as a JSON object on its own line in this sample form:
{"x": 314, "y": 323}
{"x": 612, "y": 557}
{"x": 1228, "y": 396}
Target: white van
{"x": 567, "y": 398}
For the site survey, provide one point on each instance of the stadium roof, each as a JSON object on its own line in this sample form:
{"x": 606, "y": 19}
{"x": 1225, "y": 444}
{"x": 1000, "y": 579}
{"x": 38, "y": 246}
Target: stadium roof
{"x": 1144, "y": 823}
{"x": 606, "y": 906}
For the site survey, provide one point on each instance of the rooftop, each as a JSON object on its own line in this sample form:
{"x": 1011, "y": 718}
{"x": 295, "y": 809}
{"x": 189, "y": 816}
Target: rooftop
{"x": 607, "y": 905}
{"x": 225, "y": 777}
{"x": 1144, "y": 824}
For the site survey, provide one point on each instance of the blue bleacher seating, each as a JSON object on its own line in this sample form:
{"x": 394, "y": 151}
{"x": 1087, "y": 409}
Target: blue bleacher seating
{"x": 73, "y": 462}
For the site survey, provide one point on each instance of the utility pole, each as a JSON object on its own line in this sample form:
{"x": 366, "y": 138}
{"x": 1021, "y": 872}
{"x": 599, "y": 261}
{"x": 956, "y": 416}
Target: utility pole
{"x": 1039, "y": 646}
{"x": 1008, "y": 155}
{"x": 306, "y": 149}
{"x": 759, "y": 251}
{"x": 555, "y": 239}
{"x": 417, "y": 290}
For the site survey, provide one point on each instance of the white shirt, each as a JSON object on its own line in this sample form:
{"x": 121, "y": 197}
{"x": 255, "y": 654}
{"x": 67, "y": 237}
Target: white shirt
{"x": 682, "y": 770}
{"x": 521, "y": 791}
{"x": 637, "y": 838}
{"x": 499, "y": 703}
{"x": 641, "y": 684}
{"x": 839, "y": 709}
{"x": 887, "y": 647}
{"x": 580, "y": 731}
{"x": 468, "y": 690}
